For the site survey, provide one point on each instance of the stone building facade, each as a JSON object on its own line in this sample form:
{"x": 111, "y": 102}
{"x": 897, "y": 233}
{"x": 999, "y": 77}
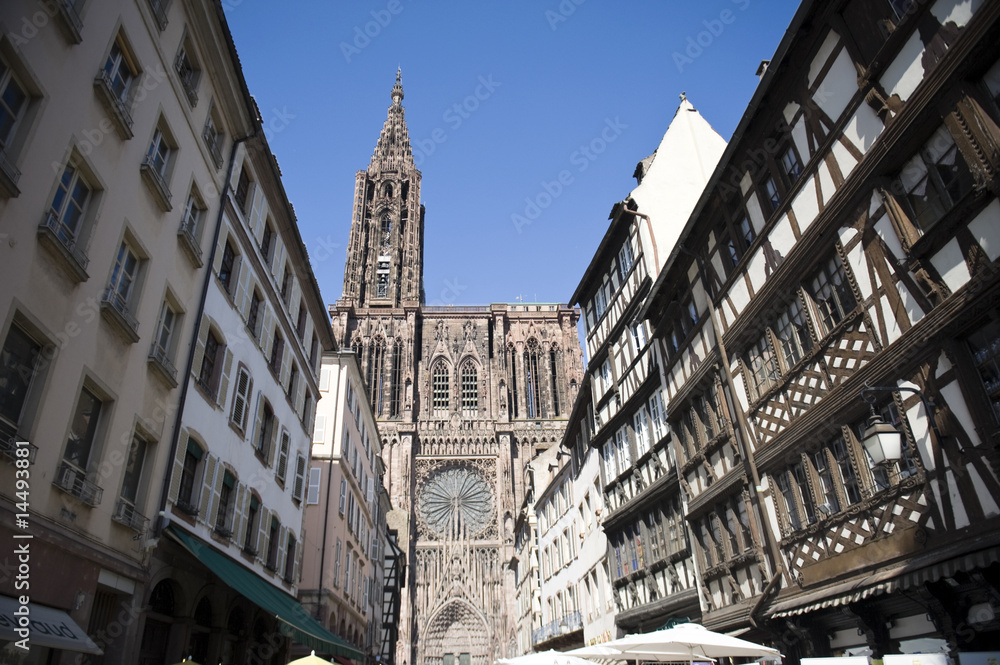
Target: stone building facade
{"x": 464, "y": 396}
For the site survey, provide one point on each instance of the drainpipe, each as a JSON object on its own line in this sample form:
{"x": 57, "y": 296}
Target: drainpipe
{"x": 162, "y": 519}
{"x": 326, "y": 511}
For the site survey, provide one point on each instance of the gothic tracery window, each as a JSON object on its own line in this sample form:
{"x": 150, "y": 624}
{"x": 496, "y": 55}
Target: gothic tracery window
{"x": 440, "y": 386}
{"x": 470, "y": 387}
{"x": 396, "y": 381}
{"x": 531, "y": 392}
{"x": 376, "y": 378}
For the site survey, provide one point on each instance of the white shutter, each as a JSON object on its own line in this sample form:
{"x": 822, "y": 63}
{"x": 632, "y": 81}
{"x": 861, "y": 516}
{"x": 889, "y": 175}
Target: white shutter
{"x": 282, "y": 549}
{"x": 240, "y": 399}
{"x": 227, "y": 366}
{"x": 319, "y": 432}
{"x": 324, "y": 379}
{"x": 336, "y": 565}
{"x": 300, "y": 474}
{"x": 239, "y": 514}
{"x": 263, "y": 527}
{"x": 343, "y": 494}
{"x": 199, "y": 354}
{"x": 256, "y": 420}
{"x": 315, "y": 480}
{"x": 175, "y": 477}
{"x": 220, "y": 476}
{"x": 208, "y": 485}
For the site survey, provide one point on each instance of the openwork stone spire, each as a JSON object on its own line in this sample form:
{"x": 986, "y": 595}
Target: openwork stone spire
{"x": 392, "y": 152}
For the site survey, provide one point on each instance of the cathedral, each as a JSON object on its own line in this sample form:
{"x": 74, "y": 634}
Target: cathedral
{"x": 465, "y": 396}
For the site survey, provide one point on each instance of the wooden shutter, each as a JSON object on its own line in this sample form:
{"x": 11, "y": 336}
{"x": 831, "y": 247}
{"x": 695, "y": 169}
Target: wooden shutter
{"x": 343, "y": 494}
{"x": 263, "y": 527}
{"x": 256, "y": 420}
{"x": 220, "y": 477}
{"x": 272, "y": 448}
{"x": 219, "y": 251}
{"x": 300, "y": 473}
{"x": 319, "y": 432}
{"x": 282, "y": 549}
{"x": 240, "y": 514}
{"x": 208, "y": 485}
{"x": 227, "y": 367}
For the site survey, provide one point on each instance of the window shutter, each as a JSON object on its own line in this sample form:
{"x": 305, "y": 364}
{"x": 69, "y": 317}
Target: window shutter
{"x": 319, "y": 432}
{"x": 240, "y": 399}
{"x": 239, "y": 514}
{"x": 371, "y": 490}
{"x": 343, "y": 494}
{"x": 199, "y": 354}
{"x": 286, "y": 367}
{"x": 175, "y": 478}
{"x": 300, "y": 474}
{"x": 220, "y": 476}
{"x": 219, "y": 251}
{"x": 227, "y": 367}
{"x": 267, "y": 329}
{"x": 256, "y": 419}
{"x": 263, "y": 525}
{"x": 272, "y": 447}
{"x": 336, "y": 565}
{"x": 324, "y": 379}
{"x": 208, "y": 485}
{"x": 282, "y": 465}
{"x": 244, "y": 288}
{"x": 282, "y": 549}
{"x": 315, "y": 480}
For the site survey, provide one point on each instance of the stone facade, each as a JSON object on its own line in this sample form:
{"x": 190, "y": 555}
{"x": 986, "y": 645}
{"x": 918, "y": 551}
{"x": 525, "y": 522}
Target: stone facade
{"x": 464, "y": 396}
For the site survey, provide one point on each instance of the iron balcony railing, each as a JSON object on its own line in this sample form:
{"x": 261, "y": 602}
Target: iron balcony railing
{"x": 160, "y": 357}
{"x": 9, "y": 444}
{"x": 126, "y": 513}
{"x": 65, "y": 236}
{"x": 73, "y": 481}
{"x": 115, "y": 300}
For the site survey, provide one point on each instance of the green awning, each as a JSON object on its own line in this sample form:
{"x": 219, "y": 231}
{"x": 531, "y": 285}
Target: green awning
{"x": 300, "y": 626}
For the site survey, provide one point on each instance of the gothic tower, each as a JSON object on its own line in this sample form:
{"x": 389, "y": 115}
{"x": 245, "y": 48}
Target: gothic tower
{"x": 465, "y": 396}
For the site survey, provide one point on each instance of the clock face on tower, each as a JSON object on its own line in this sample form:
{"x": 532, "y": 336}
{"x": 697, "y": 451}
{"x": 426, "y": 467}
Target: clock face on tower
{"x": 456, "y": 497}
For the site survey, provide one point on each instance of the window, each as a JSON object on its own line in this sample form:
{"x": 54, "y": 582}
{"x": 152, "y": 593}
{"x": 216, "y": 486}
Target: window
{"x": 190, "y": 228}
{"x": 226, "y": 500}
{"x": 133, "y": 468}
{"x": 314, "y": 352}
{"x": 790, "y": 163}
{"x": 793, "y": 333}
{"x": 286, "y": 285}
{"x": 186, "y": 499}
{"x": 290, "y": 559}
{"x": 641, "y": 425}
{"x": 531, "y": 380}
{"x": 625, "y": 260}
{"x": 209, "y": 363}
{"x": 832, "y": 293}
{"x": 277, "y": 352}
{"x": 188, "y": 71}
{"x": 343, "y": 495}
{"x": 315, "y": 479}
{"x": 600, "y": 302}
{"x": 282, "y": 465}
{"x": 272, "y": 545}
{"x": 158, "y": 154}
{"x": 267, "y": 243}
{"x": 300, "y": 325}
{"x": 336, "y": 564}
{"x": 117, "y": 82}
{"x": 241, "y": 398}
{"x": 470, "y": 387}
{"x": 622, "y": 448}
{"x": 440, "y": 387}
{"x": 66, "y": 216}
{"x": 934, "y": 180}
{"x": 265, "y": 431}
{"x": 18, "y": 368}
{"x": 157, "y": 165}
{"x": 656, "y": 417}
{"x": 14, "y": 102}
{"x": 83, "y": 430}
{"x": 253, "y": 517}
{"x": 984, "y": 344}
{"x": 300, "y": 477}
{"x": 307, "y": 410}
{"x": 745, "y": 229}
{"x": 771, "y": 193}
{"x": 214, "y": 137}
{"x": 119, "y": 294}
{"x": 293, "y": 379}
{"x": 244, "y": 191}
{"x": 227, "y": 267}
{"x": 763, "y": 366}
{"x": 253, "y": 315}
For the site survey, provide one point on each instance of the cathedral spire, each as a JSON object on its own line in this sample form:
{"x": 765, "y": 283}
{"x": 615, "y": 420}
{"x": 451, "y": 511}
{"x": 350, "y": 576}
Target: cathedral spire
{"x": 392, "y": 152}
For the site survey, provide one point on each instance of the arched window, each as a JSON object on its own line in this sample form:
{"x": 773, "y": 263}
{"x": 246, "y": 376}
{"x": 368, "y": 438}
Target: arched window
{"x": 440, "y": 383}
{"x": 385, "y": 231}
{"x": 377, "y": 379}
{"x": 513, "y": 379}
{"x": 555, "y": 381}
{"x": 396, "y": 385}
{"x": 531, "y": 393}
{"x": 470, "y": 387}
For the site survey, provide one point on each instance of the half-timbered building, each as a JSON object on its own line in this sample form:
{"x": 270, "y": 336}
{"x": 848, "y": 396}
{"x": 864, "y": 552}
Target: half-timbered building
{"x": 837, "y": 280}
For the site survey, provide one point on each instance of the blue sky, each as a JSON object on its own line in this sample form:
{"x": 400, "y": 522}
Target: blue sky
{"x": 527, "y": 118}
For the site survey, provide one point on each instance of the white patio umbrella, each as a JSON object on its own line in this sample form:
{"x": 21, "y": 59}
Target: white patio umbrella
{"x": 691, "y": 639}
{"x": 549, "y": 657}
{"x": 605, "y": 652}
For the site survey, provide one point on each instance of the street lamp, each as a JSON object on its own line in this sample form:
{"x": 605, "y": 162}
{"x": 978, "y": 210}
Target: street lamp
{"x": 882, "y": 441}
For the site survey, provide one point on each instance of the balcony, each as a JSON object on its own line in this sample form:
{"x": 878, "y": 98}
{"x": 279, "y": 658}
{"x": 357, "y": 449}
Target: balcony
{"x": 9, "y": 447}
{"x": 187, "y": 507}
{"x": 116, "y": 310}
{"x": 558, "y": 628}
{"x": 63, "y": 241}
{"x": 71, "y": 23}
{"x": 117, "y": 106}
{"x": 126, "y": 514}
{"x": 74, "y": 482}
{"x": 160, "y": 361}
{"x": 189, "y": 241}
{"x": 9, "y": 175}
{"x": 155, "y": 182}
{"x": 188, "y": 76}
{"x": 159, "y": 9}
